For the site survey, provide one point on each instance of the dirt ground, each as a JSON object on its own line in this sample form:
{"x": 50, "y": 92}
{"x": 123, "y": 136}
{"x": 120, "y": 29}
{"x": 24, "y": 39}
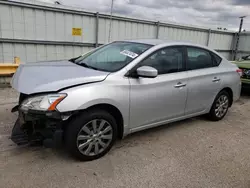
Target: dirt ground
{"x": 191, "y": 153}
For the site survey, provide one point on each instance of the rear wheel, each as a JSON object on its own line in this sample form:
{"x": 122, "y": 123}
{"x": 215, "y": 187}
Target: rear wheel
{"x": 91, "y": 135}
{"x": 220, "y": 106}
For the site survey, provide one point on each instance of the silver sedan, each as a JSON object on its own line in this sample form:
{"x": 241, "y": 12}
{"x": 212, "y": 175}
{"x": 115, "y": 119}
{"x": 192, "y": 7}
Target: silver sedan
{"x": 87, "y": 102}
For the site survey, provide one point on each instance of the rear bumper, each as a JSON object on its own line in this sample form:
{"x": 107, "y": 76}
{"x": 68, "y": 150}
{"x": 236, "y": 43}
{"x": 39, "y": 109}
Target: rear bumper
{"x": 38, "y": 127}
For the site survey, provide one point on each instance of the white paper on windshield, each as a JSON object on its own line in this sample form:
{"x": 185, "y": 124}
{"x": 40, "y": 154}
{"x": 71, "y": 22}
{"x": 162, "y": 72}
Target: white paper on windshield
{"x": 129, "y": 53}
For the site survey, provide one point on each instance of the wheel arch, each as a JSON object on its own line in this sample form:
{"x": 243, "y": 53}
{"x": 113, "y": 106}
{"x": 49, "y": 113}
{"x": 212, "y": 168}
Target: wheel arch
{"x": 230, "y": 92}
{"x": 113, "y": 110}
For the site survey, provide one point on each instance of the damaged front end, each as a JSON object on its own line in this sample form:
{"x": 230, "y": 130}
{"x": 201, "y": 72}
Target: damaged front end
{"x": 38, "y": 126}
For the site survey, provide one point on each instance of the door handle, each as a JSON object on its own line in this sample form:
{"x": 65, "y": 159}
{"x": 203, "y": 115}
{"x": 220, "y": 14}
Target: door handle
{"x": 216, "y": 79}
{"x": 179, "y": 84}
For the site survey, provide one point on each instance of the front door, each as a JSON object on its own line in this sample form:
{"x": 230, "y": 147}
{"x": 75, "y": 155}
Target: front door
{"x": 155, "y": 100}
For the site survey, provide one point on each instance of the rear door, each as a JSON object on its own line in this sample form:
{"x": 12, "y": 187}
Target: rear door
{"x": 204, "y": 79}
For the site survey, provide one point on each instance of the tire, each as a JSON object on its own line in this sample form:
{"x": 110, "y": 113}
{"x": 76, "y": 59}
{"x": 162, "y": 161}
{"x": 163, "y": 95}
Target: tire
{"x": 75, "y": 132}
{"x": 213, "y": 114}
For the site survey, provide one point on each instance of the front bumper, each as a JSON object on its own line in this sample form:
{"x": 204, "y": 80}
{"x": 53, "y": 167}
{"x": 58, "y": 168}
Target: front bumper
{"x": 39, "y": 127}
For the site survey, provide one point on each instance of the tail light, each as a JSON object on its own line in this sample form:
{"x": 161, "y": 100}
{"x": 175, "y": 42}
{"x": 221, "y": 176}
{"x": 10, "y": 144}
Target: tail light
{"x": 240, "y": 72}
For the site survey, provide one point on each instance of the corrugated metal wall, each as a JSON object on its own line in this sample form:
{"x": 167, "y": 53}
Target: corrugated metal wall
{"x": 122, "y": 29}
{"x": 199, "y": 37}
{"x": 39, "y": 52}
{"x": 38, "y": 31}
{"x": 244, "y": 45}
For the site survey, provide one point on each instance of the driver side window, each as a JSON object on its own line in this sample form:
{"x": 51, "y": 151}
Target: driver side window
{"x": 167, "y": 60}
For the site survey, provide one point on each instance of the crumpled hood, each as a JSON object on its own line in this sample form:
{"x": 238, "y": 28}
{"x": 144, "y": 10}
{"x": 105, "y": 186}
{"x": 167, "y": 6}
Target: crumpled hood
{"x": 53, "y": 76}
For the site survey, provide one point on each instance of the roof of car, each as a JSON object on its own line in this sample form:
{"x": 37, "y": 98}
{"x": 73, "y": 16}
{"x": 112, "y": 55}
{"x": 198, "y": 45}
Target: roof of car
{"x": 163, "y": 41}
{"x": 149, "y": 41}
{"x": 156, "y": 42}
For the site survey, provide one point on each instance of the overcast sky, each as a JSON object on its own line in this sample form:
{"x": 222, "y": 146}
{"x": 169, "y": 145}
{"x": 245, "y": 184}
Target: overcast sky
{"x": 208, "y": 13}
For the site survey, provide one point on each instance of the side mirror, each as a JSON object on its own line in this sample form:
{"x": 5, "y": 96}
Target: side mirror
{"x": 147, "y": 72}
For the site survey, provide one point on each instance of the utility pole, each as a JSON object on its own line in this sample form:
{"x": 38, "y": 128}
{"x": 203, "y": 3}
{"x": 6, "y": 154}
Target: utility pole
{"x": 110, "y": 23}
{"x": 238, "y": 37}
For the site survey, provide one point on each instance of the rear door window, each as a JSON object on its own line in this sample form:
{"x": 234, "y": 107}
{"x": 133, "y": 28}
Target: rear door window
{"x": 198, "y": 58}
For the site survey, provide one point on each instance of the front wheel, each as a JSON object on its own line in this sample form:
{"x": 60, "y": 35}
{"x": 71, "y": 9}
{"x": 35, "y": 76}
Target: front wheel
{"x": 220, "y": 106}
{"x": 91, "y": 135}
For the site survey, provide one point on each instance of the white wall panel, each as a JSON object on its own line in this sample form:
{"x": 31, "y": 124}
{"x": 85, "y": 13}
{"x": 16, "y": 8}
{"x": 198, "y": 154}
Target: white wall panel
{"x": 227, "y": 55}
{"x": 29, "y": 19}
{"x": 177, "y": 34}
{"x": 60, "y": 26}
{"x": 103, "y": 30}
{"x": 68, "y": 27}
{"x": 31, "y": 53}
{"x": 88, "y": 29}
{"x": 77, "y": 51}
{"x": 244, "y": 43}
{"x": 6, "y": 21}
{"x": 50, "y": 23}
{"x": 40, "y": 25}
{"x": 221, "y": 41}
{"x": 77, "y": 23}
{"x": 69, "y": 51}
{"x": 8, "y": 52}
{"x": 1, "y": 53}
{"x": 20, "y": 51}
{"x": 39, "y": 52}
{"x": 51, "y": 52}
{"x": 124, "y": 30}
{"x": 18, "y": 22}
{"x": 59, "y": 52}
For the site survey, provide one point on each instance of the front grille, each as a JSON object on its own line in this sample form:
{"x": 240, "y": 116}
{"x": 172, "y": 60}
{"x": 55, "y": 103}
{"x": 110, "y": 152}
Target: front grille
{"x": 245, "y": 73}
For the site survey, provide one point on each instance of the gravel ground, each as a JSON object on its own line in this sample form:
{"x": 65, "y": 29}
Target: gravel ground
{"x": 191, "y": 153}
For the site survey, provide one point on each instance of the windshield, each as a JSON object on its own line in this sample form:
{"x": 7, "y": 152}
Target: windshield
{"x": 112, "y": 57}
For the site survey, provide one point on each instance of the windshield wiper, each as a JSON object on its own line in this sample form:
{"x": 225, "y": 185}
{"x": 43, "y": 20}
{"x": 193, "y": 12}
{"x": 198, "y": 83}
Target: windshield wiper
{"x": 87, "y": 66}
{"x": 74, "y": 59}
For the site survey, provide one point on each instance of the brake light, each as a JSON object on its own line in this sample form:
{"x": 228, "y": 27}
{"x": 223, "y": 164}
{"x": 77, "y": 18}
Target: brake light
{"x": 240, "y": 72}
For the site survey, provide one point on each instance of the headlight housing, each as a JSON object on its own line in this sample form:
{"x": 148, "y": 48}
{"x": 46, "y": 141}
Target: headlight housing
{"x": 42, "y": 102}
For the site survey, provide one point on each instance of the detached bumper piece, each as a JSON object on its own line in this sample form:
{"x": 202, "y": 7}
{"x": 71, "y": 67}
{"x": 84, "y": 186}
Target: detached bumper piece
{"x": 18, "y": 136}
{"x": 35, "y": 128}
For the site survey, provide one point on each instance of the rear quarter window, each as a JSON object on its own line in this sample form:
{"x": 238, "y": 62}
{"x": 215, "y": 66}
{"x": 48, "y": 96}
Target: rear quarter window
{"x": 216, "y": 59}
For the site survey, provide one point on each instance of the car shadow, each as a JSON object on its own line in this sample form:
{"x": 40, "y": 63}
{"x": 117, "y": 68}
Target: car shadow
{"x": 245, "y": 93}
{"x": 150, "y": 134}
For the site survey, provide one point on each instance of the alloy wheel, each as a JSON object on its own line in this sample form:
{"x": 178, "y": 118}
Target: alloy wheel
{"x": 94, "y": 137}
{"x": 221, "y": 106}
